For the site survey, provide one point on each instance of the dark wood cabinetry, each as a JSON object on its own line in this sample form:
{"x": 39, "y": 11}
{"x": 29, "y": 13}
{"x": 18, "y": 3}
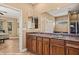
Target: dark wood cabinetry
{"x": 34, "y": 44}
{"x": 57, "y": 47}
{"x": 29, "y": 42}
{"x": 39, "y": 45}
{"x": 58, "y": 50}
{"x": 72, "y": 51}
{"x": 45, "y": 46}
{"x": 51, "y": 47}
{"x": 72, "y": 48}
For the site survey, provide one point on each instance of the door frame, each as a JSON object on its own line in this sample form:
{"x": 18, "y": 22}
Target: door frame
{"x": 20, "y": 24}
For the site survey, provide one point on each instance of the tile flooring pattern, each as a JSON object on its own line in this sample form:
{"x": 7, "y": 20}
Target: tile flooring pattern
{"x": 10, "y": 47}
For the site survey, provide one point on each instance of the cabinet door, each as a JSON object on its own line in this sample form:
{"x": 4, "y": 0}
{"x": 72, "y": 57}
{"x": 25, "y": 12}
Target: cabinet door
{"x": 56, "y": 47}
{"x": 51, "y": 50}
{"x": 51, "y": 47}
{"x": 45, "y": 46}
{"x": 57, "y": 50}
{"x": 72, "y": 48}
{"x": 39, "y": 45}
{"x": 72, "y": 51}
{"x": 29, "y": 45}
{"x": 34, "y": 44}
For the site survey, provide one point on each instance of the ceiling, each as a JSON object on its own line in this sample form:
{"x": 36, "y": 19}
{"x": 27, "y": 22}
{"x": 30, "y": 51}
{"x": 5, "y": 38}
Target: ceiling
{"x": 63, "y": 10}
{"x": 9, "y": 12}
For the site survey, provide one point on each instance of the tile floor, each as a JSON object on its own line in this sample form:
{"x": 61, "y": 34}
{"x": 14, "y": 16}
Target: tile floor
{"x": 10, "y": 47}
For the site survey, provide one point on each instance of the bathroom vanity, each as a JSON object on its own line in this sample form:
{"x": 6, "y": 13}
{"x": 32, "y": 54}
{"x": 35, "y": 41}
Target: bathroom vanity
{"x": 52, "y": 44}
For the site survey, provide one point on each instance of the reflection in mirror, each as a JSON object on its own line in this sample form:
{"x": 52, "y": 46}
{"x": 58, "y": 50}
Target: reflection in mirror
{"x": 61, "y": 24}
{"x": 74, "y": 22}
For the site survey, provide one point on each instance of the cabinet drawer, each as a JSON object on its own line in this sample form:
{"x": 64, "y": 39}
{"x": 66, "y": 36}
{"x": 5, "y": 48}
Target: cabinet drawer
{"x": 72, "y": 44}
{"x": 72, "y": 51}
{"x": 58, "y": 42}
{"x": 39, "y": 45}
{"x": 46, "y": 46}
{"x": 33, "y": 45}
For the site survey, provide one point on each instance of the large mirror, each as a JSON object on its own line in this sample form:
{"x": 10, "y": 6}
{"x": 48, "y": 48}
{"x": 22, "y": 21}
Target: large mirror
{"x": 66, "y": 19}
{"x": 74, "y": 22}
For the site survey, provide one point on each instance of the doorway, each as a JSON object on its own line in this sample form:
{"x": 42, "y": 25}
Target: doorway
{"x": 13, "y": 19}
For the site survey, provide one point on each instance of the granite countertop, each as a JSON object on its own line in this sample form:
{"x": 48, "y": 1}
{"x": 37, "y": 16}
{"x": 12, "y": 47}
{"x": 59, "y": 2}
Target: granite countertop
{"x": 58, "y": 36}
